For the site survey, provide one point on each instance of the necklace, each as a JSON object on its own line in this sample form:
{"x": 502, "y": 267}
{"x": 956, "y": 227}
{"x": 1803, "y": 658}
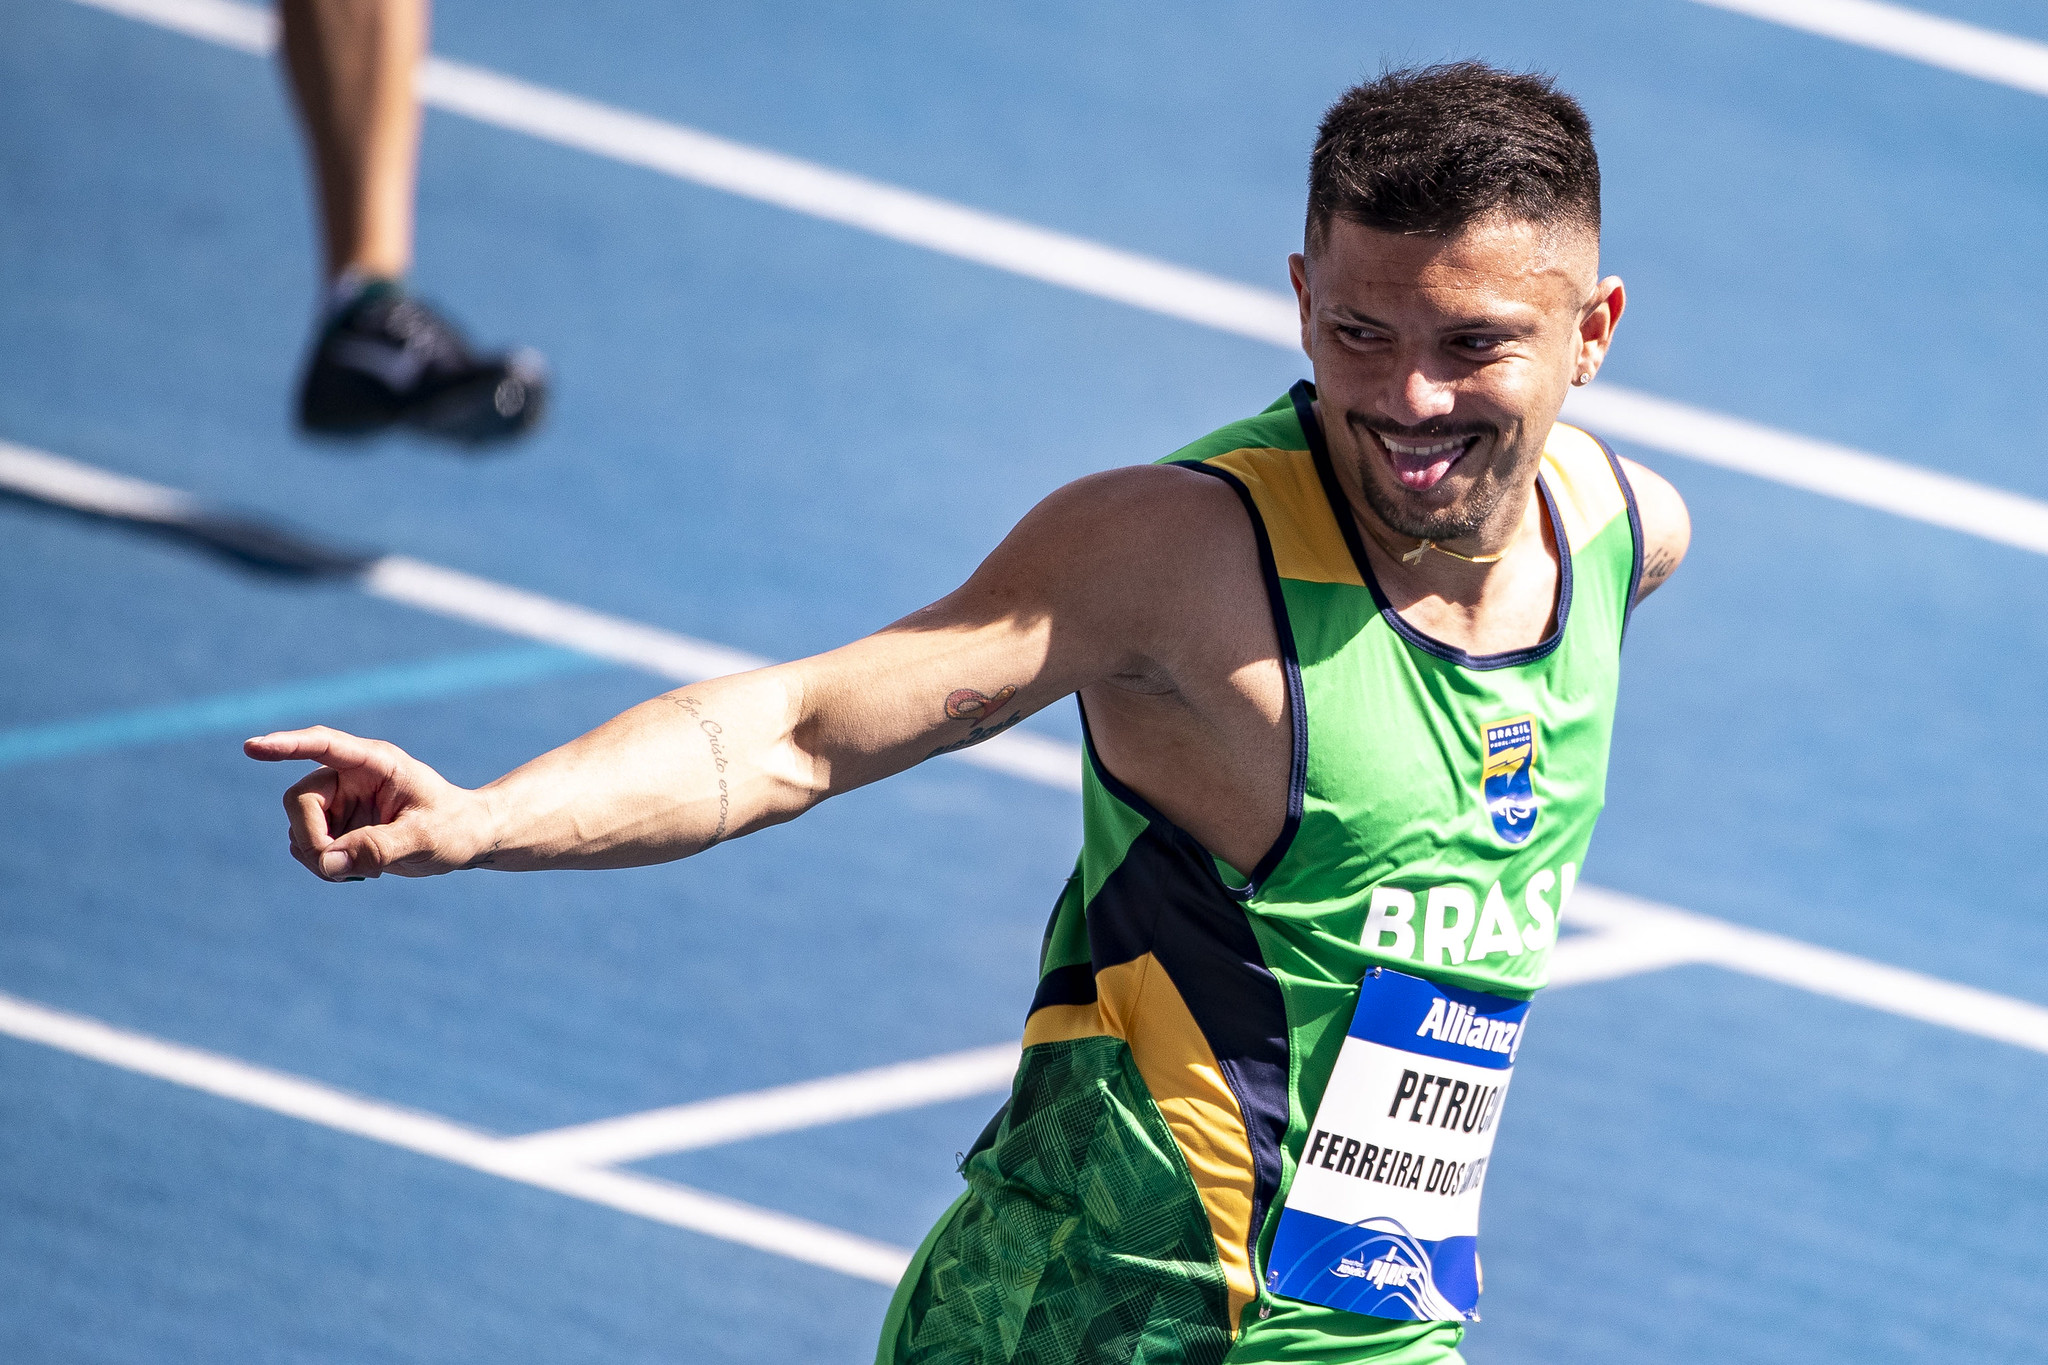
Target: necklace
{"x": 1423, "y": 547}
{"x": 1416, "y": 554}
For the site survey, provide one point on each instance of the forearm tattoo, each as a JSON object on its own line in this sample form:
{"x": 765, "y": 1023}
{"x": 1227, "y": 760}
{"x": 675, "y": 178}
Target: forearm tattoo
{"x": 713, "y": 735}
{"x": 967, "y": 704}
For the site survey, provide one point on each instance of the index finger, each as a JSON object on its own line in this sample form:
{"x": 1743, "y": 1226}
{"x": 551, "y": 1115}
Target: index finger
{"x": 335, "y": 748}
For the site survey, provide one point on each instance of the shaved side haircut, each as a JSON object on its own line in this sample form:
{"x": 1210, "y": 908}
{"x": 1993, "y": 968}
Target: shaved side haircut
{"x": 1429, "y": 150}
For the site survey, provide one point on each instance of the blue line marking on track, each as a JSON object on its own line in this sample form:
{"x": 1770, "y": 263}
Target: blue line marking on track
{"x": 305, "y": 702}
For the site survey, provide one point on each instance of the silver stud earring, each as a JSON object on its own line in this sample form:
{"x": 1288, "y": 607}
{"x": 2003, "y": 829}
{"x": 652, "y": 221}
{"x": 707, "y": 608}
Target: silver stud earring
{"x": 1582, "y": 381}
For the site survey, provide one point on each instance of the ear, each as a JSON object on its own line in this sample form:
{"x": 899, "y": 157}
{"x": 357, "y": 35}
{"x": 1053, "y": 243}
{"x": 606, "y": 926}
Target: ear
{"x": 1596, "y": 326}
{"x": 1297, "y": 271}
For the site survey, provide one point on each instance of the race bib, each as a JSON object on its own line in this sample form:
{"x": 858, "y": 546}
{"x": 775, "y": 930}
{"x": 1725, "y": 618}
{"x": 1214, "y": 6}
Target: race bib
{"x": 1383, "y": 1215}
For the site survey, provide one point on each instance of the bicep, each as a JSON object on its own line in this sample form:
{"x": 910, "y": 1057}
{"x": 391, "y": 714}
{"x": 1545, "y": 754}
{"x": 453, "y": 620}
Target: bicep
{"x": 1667, "y": 526}
{"x": 1066, "y": 599}
{"x": 938, "y": 681}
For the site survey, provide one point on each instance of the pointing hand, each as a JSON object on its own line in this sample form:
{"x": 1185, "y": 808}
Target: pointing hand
{"x": 372, "y": 808}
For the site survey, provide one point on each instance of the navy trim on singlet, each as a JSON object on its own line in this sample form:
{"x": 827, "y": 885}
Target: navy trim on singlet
{"x": 1297, "y": 709}
{"x": 1164, "y": 898}
{"x": 1303, "y": 393}
{"x": 1290, "y": 663}
{"x": 1635, "y": 530}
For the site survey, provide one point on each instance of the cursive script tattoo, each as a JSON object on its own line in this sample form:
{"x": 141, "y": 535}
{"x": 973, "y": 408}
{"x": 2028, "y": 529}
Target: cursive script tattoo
{"x": 1660, "y": 565}
{"x": 713, "y": 733}
{"x": 967, "y": 704}
{"x": 977, "y": 735}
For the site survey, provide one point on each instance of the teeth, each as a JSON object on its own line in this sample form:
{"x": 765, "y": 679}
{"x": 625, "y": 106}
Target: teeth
{"x": 1419, "y": 452}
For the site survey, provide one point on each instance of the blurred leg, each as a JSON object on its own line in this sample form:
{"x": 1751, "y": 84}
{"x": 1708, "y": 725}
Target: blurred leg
{"x": 381, "y": 358}
{"x": 352, "y": 65}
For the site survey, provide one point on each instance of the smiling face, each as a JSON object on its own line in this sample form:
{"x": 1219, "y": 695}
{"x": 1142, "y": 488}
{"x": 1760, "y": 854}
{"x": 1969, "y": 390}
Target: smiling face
{"x": 1441, "y": 363}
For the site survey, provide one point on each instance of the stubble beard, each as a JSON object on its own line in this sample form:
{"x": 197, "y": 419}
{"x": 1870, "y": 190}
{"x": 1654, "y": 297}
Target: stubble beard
{"x": 1465, "y": 517}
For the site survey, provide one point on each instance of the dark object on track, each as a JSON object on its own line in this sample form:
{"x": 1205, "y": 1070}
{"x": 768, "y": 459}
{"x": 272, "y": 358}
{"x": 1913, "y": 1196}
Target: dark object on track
{"x": 389, "y": 360}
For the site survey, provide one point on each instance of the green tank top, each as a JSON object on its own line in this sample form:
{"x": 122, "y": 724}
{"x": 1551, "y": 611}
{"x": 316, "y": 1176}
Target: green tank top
{"x": 1188, "y": 1014}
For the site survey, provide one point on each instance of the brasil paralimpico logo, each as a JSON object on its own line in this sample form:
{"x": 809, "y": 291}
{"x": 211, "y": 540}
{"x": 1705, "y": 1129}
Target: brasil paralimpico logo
{"x": 1509, "y": 782}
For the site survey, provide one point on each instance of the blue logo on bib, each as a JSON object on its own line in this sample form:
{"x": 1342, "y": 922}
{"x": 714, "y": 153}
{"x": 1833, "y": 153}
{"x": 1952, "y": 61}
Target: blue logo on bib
{"x": 1509, "y": 782}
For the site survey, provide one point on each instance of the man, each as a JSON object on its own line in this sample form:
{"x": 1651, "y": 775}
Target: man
{"x": 1348, "y": 672}
{"x": 381, "y": 358}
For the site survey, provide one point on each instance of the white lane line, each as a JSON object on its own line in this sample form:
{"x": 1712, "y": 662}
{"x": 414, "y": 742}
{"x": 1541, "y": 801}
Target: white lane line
{"x": 1824, "y": 971}
{"x": 1140, "y": 281}
{"x": 1582, "y": 959}
{"x": 837, "y": 196}
{"x": 1644, "y": 934}
{"x": 1931, "y": 39}
{"x": 87, "y": 488}
{"x": 1634, "y": 936}
{"x": 781, "y": 1109}
{"x": 788, "y": 182}
{"x": 1631, "y": 937}
{"x": 1817, "y": 466}
{"x": 748, "y": 1225}
{"x": 666, "y": 654}
{"x": 429, "y": 1135}
{"x": 447, "y": 592}
{"x": 1578, "y": 959}
{"x": 1647, "y": 933}
{"x": 242, "y": 27}
{"x": 465, "y": 597}
{"x": 1984, "y": 53}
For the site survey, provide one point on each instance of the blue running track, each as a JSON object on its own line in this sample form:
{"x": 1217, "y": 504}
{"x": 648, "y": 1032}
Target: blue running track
{"x": 775, "y": 433}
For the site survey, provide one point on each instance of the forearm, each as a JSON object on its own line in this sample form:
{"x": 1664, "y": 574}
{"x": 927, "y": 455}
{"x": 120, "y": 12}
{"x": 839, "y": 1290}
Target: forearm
{"x": 669, "y": 778}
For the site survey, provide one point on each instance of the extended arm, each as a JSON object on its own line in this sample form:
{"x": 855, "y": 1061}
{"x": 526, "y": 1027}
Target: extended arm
{"x": 1075, "y": 593}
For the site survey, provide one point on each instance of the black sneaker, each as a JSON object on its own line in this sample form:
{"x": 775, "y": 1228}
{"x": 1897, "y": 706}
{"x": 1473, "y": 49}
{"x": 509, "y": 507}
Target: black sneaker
{"x": 388, "y": 360}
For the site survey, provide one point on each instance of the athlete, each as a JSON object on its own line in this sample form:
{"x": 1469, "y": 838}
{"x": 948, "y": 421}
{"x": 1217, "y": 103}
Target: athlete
{"x": 1348, "y": 672}
{"x": 380, "y": 357}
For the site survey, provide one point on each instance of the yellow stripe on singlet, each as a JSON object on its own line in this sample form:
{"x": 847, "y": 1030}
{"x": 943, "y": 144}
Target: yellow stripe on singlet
{"x": 1307, "y": 544}
{"x": 1138, "y": 1002}
{"x": 1582, "y": 483}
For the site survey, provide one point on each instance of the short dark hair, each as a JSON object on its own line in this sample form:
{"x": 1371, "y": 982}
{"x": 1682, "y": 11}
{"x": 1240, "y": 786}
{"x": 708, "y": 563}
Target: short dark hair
{"x": 1430, "y": 150}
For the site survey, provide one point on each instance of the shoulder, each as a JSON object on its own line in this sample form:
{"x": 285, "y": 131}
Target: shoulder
{"x": 1583, "y": 473}
{"x": 1667, "y": 526}
{"x": 1134, "y": 521}
{"x": 1134, "y": 562}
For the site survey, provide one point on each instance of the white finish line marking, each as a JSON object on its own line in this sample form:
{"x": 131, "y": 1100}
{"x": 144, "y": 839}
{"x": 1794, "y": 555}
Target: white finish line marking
{"x": 1225, "y": 305}
{"x": 1984, "y": 53}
